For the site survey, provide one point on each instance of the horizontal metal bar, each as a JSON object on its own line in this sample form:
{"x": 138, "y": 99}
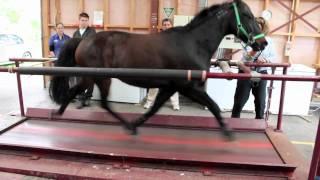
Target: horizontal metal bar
{"x": 252, "y": 64}
{"x": 262, "y": 77}
{"x": 111, "y": 72}
{"x": 170, "y": 74}
{"x": 32, "y": 59}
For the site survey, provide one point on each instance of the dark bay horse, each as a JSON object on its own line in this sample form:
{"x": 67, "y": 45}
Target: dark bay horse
{"x": 187, "y": 47}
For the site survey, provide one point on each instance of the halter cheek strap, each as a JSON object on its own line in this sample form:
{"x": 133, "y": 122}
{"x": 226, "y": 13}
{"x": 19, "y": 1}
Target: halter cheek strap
{"x": 240, "y": 27}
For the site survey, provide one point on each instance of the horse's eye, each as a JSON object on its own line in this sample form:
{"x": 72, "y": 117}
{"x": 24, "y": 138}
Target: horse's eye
{"x": 247, "y": 16}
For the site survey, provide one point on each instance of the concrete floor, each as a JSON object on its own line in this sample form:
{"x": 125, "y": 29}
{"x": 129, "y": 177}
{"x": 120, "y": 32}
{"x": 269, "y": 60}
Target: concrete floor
{"x": 300, "y": 130}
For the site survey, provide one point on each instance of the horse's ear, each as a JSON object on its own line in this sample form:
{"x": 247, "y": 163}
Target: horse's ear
{"x": 233, "y": 1}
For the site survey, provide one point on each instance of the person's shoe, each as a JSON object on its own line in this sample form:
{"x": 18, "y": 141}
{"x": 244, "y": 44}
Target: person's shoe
{"x": 147, "y": 105}
{"x": 80, "y": 106}
{"x": 86, "y": 102}
{"x": 176, "y": 107}
{"x": 83, "y": 103}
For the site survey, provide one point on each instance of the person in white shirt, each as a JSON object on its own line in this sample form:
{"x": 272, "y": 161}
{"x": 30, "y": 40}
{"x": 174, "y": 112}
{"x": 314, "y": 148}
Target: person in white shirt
{"x": 151, "y": 96}
{"x": 244, "y": 87}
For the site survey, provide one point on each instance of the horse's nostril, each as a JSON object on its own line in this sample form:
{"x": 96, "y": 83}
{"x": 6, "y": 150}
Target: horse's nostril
{"x": 263, "y": 45}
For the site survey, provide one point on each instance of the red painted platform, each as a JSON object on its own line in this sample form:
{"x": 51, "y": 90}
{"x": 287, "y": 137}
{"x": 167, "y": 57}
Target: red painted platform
{"x": 190, "y": 122}
{"x": 190, "y": 145}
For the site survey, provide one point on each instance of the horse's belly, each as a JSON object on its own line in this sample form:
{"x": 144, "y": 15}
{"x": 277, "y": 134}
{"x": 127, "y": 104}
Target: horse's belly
{"x": 146, "y": 83}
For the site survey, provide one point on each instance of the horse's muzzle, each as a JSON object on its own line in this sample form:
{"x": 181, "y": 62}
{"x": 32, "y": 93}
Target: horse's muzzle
{"x": 259, "y": 44}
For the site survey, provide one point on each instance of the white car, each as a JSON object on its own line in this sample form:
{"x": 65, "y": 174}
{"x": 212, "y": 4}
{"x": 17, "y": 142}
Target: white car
{"x": 12, "y": 46}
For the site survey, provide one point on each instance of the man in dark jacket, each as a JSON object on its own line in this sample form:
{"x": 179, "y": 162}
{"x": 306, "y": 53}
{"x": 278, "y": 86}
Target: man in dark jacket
{"x": 84, "y": 31}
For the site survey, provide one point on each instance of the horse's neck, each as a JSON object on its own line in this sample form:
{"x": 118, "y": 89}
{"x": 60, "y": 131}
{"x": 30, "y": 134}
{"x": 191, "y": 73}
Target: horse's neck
{"x": 208, "y": 36}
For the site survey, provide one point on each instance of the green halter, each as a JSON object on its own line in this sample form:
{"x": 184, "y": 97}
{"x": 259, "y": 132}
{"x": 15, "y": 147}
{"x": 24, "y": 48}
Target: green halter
{"x": 240, "y": 27}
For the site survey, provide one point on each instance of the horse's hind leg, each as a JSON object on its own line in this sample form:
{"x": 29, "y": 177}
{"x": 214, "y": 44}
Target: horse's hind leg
{"x": 197, "y": 94}
{"x": 104, "y": 87}
{"x": 162, "y": 97}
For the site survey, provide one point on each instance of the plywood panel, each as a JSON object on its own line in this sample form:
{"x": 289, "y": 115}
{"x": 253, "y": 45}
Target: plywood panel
{"x": 142, "y": 15}
{"x": 166, "y": 4}
{"x": 313, "y": 18}
{"x": 52, "y": 12}
{"x": 91, "y": 6}
{"x": 279, "y": 44}
{"x": 280, "y": 16}
{"x": 256, "y": 6}
{"x": 202, "y": 4}
{"x": 119, "y": 12}
{"x": 45, "y": 6}
{"x": 212, "y": 2}
{"x": 187, "y": 7}
{"x": 304, "y": 51}
{"x": 69, "y": 12}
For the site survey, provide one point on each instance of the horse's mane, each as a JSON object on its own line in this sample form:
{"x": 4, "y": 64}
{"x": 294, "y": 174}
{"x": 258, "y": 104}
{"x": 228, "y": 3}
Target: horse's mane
{"x": 203, "y": 15}
{"x": 199, "y": 19}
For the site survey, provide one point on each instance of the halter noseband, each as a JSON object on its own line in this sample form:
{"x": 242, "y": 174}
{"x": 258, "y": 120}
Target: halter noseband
{"x": 251, "y": 39}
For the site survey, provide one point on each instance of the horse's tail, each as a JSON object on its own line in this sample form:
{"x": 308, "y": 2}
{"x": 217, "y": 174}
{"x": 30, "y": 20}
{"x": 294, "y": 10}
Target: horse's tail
{"x": 59, "y": 85}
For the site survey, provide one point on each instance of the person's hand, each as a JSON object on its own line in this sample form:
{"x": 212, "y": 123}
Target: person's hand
{"x": 261, "y": 61}
{"x": 51, "y": 54}
{"x": 230, "y": 73}
{"x": 252, "y": 53}
{"x": 244, "y": 68}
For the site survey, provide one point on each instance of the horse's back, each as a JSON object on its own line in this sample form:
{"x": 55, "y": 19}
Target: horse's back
{"x": 132, "y": 50}
{"x": 94, "y": 50}
{"x": 167, "y": 50}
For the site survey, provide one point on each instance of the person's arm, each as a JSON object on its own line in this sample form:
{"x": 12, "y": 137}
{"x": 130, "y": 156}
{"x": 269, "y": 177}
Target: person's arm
{"x": 67, "y": 37}
{"x": 76, "y": 34}
{"x": 248, "y": 55}
{"x": 51, "y": 47}
{"x": 91, "y": 31}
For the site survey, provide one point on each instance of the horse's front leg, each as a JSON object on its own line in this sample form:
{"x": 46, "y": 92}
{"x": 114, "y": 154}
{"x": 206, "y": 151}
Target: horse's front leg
{"x": 163, "y": 95}
{"x": 197, "y": 94}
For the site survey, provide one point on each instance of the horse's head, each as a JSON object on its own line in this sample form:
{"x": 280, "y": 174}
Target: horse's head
{"x": 246, "y": 28}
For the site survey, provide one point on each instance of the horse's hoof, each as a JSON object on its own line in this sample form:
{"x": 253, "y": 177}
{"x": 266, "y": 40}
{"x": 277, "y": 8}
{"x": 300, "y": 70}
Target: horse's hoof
{"x": 131, "y": 130}
{"x": 228, "y": 134}
{"x": 53, "y": 113}
{"x": 134, "y": 132}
